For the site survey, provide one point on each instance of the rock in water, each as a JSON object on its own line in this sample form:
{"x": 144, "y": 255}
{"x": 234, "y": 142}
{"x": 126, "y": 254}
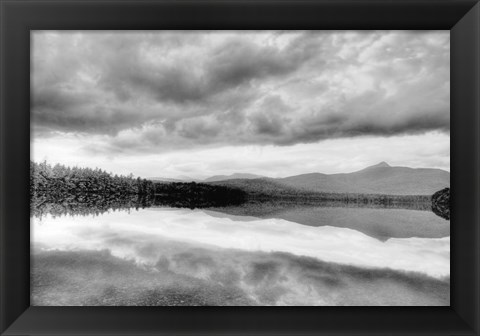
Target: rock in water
{"x": 441, "y": 203}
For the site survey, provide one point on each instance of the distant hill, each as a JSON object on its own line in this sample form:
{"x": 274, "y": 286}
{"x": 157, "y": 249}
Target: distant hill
{"x": 235, "y": 176}
{"x": 377, "y": 179}
{"x": 214, "y": 178}
{"x": 182, "y": 179}
{"x": 261, "y": 186}
{"x": 164, "y": 179}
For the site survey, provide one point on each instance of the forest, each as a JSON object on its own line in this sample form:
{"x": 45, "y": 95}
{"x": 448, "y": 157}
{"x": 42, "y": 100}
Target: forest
{"x": 197, "y": 195}
{"x": 59, "y": 180}
{"x": 89, "y": 190}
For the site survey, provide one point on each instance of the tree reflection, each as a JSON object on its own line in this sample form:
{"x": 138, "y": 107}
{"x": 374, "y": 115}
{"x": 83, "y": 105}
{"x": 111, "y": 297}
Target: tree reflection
{"x": 85, "y": 204}
{"x": 93, "y": 204}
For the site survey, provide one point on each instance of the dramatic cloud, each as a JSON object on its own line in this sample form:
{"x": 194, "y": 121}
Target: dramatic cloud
{"x": 157, "y": 91}
{"x": 170, "y": 103}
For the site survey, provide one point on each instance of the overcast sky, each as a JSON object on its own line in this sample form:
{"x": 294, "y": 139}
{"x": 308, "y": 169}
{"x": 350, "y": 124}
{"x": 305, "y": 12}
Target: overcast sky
{"x": 276, "y": 103}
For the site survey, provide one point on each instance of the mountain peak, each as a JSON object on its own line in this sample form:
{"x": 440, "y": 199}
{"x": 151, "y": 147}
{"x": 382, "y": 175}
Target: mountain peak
{"x": 382, "y": 164}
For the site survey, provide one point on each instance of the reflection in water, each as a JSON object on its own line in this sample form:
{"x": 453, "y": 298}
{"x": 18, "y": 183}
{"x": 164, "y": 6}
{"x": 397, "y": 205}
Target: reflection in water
{"x": 84, "y": 204}
{"x": 94, "y": 204}
{"x": 380, "y": 223}
{"x": 122, "y": 233}
{"x": 189, "y": 275}
{"x": 256, "y": 254}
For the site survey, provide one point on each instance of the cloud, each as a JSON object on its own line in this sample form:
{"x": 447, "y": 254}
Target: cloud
{"x": 343, "y": 155}
{"x": 158, "y": 91}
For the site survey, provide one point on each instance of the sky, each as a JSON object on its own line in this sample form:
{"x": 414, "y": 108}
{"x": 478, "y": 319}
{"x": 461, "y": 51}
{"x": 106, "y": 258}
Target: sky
{"x": 275, "y": 103}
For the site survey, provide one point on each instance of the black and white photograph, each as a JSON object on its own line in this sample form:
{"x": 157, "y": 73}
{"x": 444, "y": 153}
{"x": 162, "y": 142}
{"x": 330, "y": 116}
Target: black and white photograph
{"x": 240, "y": 168}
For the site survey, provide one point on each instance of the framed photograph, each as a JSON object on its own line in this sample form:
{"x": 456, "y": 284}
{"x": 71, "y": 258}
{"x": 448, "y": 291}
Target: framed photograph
{"x": 187, "y": 167}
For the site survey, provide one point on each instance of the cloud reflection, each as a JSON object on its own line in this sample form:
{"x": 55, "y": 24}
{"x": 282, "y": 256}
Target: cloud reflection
{"x": 141, "y": 236}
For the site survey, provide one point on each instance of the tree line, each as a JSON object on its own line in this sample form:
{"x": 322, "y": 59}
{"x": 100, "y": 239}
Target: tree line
{"x": 97, "y": 190}
{"x": 197, "y": 195}
{"x": 60, "y": 179}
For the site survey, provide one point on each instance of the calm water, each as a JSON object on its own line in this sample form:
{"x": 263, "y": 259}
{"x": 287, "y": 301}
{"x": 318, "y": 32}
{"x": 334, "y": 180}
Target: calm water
{"x": 250, "y": 255}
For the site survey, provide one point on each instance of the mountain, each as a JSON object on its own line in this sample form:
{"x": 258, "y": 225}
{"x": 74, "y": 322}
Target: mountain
{"x": 164, "y": 179}
{"x": 182, "y": 178}
{"x": 382, "y": 164}
{"x": 261, "y": 186}
{"x": 215, "y": 178}
{"x": 378, "y": 179}
{"x": 235, "y": 176}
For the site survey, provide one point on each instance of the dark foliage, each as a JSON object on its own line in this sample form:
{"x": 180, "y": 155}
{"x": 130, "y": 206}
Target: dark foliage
{"x": 197, "y": 195}
{"x": 183, "y": 195}
{"x": 84, "y": 204}
{"x": 441, "y": 203}
{"x": 59, "y": 180}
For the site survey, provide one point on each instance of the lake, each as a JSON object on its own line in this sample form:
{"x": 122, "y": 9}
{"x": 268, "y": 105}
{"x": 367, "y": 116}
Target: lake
{"x": 254, "y": 254}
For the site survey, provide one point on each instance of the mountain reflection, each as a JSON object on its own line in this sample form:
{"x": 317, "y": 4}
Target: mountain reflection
{"x": 86, "y": 204}
{"x": 380, "y": 221}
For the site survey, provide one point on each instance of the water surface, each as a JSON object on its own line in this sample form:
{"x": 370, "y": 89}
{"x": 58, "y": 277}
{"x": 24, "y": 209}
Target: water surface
{"x": 226, "y": 256}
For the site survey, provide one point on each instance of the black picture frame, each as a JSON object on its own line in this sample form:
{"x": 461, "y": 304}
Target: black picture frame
{"x": 19, "y": 17}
